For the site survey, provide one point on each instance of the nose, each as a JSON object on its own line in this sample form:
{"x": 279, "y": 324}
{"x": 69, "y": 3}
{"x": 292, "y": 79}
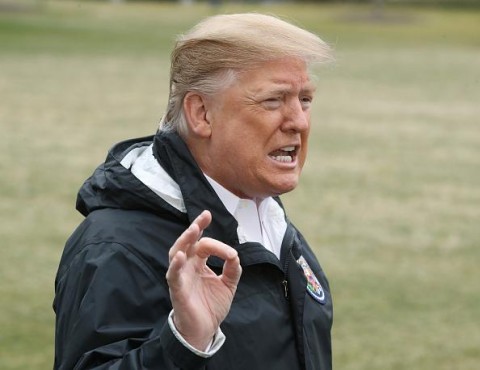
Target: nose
{"x": 296, "y": 118}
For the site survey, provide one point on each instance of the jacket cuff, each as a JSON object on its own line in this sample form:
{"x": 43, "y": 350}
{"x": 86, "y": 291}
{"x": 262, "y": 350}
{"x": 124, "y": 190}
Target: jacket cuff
{"x": 215, "y": 344}
{"x": 181, "y": 352}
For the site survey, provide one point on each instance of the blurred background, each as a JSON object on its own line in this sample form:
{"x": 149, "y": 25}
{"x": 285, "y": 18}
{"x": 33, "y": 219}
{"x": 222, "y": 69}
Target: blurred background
{"x": 390, "y": 197}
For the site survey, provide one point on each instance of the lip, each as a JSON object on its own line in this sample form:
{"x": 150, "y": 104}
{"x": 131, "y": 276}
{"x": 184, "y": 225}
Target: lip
{"x": 285, "y": 165}
{"x": 295, "y": 145}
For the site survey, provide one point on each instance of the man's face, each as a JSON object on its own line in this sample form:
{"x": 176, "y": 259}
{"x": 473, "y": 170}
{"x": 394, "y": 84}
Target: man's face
{"x": 260, "y": 128}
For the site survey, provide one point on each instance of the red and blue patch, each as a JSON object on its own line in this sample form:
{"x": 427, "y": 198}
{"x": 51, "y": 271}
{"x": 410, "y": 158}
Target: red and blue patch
{"x": 314, "y": 288}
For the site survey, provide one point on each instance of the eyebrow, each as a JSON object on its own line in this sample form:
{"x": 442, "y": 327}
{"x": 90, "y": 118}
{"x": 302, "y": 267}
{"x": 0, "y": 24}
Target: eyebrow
{"x": 285, "y": 88}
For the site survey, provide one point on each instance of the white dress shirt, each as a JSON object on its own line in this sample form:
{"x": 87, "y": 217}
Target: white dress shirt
{"x": 261, "y": 221}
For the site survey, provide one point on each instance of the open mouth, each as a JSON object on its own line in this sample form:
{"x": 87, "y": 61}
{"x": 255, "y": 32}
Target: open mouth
{"x": 286, "y": 154}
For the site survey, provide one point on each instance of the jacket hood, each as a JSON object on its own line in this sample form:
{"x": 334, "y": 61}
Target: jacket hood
{"x": 114, "y": 186}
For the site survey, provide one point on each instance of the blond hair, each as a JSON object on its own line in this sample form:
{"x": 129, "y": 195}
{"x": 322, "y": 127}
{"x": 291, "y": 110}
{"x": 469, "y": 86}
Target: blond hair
{"x": 208, "y": 57}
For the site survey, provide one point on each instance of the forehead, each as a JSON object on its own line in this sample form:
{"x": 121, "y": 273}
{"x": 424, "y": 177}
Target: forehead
{"x": 287, "y": 73}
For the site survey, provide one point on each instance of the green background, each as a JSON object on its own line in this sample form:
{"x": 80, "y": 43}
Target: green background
{"x": 390, "y": 197}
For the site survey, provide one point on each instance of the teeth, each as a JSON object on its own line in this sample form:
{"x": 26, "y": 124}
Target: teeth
{"x": 282, "y": 158}
{"x": 284, "y": 155}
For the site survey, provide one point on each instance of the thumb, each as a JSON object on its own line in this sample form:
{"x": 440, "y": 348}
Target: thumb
{"x": 231, "y": 272}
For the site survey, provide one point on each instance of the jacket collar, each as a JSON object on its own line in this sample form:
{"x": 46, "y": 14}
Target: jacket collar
{"x": 174, "y": 156}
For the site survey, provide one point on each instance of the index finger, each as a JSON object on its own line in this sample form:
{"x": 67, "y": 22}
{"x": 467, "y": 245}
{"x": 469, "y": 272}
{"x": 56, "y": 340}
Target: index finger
{"x": 211, "y": 247}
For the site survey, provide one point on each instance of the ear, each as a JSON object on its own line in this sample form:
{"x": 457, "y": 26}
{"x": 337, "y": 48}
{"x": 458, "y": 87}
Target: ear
{"x": 195, "y": 107}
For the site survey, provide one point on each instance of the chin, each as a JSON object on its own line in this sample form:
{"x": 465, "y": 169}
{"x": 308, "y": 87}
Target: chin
{"x": 286, "y": 187}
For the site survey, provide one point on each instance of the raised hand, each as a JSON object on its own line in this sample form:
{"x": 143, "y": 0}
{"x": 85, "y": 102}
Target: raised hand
{"x": 201, "y": 299}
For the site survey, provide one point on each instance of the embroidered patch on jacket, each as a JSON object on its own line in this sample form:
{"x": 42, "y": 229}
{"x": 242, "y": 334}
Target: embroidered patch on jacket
{"x": 314, "y": 288}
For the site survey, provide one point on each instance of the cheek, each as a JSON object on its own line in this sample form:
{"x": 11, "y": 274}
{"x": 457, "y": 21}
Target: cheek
{"x": 303, "y": 154}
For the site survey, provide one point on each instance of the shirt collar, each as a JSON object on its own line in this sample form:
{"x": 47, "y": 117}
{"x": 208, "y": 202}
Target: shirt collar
{"x": 229, "y": 200}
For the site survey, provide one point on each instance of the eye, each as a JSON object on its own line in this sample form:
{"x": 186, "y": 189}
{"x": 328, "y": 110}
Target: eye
{"x": 306, "y": 101}
{"x": 272, "y": 103}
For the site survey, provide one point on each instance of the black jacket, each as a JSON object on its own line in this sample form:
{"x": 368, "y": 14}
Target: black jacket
{"x": 112, "y": 299}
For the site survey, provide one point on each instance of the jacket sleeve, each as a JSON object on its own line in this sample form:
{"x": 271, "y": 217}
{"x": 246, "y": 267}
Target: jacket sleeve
{"x": 111, "y": 313}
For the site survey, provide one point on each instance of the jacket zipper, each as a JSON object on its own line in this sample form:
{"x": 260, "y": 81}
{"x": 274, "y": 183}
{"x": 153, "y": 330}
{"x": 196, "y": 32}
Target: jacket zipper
{"x": 285, "y": 269}
{"x": 285, "y": 288}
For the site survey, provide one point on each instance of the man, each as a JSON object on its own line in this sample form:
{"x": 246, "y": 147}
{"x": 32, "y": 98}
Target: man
{"x": 185, "y": 259}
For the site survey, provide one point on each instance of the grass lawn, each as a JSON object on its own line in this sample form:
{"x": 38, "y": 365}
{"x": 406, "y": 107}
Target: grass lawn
{"x": 390, "y": 196}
